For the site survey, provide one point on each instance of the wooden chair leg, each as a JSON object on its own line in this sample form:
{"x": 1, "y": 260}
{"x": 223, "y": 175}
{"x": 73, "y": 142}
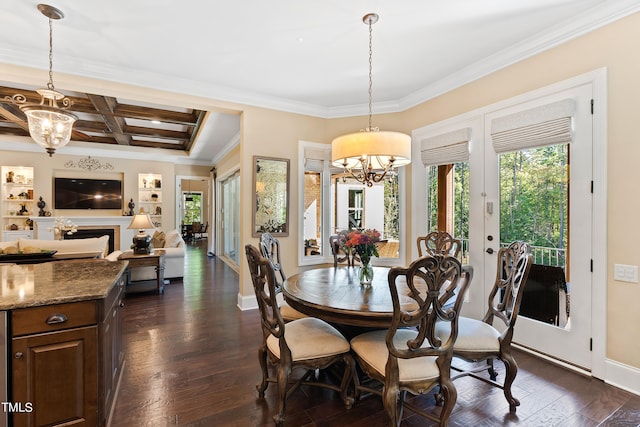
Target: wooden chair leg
{"x": 348, "y": 378}
{"x": 511, "y": 368}
{"x": 492, "y": 372}
{"x": 284, "y": 370}
{"x": 262, "y": 358}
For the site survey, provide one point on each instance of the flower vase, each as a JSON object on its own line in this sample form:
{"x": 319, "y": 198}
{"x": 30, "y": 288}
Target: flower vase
{"x": 366, "y": 271}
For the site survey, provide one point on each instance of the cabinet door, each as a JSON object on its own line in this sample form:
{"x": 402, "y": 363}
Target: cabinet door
{"x": 111, "y": 352}
{"x": 56, "y": 373}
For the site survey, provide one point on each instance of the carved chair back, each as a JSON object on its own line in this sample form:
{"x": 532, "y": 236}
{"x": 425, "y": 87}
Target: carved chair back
{"x": 270, "y": 249}
{"x": 438, "y": 243}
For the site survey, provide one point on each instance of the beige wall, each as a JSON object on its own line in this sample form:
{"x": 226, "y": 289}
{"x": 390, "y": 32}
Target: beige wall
{"x": 273, "y": 134}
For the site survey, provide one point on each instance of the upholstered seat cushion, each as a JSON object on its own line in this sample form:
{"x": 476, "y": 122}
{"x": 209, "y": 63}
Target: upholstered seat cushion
{"x": 287, "y": 312}
{"x": 371, "y": 347}
{"x": 473, "y": 335}
{"x": 310, "y": 338}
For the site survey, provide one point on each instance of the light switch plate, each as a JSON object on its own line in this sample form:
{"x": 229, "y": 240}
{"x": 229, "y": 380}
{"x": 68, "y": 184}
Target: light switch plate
{"x": 625, "y": 273}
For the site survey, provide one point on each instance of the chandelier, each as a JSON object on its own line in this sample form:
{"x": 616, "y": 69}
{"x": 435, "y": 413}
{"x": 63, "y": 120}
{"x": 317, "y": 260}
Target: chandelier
{"x": 49, "y": 124}
{"x": 371, "y": 154}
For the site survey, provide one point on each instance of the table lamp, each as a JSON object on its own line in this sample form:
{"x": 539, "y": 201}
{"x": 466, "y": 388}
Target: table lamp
{"x": 141, "y": 241}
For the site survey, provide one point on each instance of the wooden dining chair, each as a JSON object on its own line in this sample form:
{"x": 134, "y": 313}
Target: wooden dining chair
{"x": 479, "y": 340}
{"x": 270, "y": 249}
{"x": 438, "y": 243}
{"x": 336, "y": 242}
{"x": 409, "y": 356}
{"x": 308, "y": 343}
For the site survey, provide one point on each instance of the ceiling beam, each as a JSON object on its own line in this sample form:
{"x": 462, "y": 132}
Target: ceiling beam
{"x": 105, "y": 106}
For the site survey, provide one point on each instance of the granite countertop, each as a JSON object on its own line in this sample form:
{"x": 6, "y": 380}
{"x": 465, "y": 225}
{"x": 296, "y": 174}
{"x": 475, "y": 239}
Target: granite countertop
{"x": 30, "y": 285}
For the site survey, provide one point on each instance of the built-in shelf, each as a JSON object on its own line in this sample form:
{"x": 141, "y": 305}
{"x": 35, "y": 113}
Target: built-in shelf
{"x": 150, "y": 196}
{"x": 16, "y": 202}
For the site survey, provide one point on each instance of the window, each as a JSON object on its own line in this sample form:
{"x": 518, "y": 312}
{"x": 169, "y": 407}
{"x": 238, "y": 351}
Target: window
{"x": 332, "y": 202}
{"x": 356, "y": 207}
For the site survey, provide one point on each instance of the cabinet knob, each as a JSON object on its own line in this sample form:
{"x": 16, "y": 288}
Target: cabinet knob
{"x": 121, "y": 304}
{"x": 18, "y": 355}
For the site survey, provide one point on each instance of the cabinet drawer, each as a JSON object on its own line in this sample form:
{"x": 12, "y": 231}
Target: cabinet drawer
{"x": 53, "y": 317}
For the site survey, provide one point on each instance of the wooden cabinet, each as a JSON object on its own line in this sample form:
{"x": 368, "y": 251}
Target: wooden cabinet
{"x": 16, "y": 202}
{"x": 150, "y": 196}
{"x": 67, "y": 360}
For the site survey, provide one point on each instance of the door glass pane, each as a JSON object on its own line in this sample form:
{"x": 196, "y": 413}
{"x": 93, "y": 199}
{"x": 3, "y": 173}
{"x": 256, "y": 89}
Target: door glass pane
{"x": 230, "y": 213}
{"x": 456, "y": 202}
{"x": 534, "y": 200}
{"x": 312, "y": 213}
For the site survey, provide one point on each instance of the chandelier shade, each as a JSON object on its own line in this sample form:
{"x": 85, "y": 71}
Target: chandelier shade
{"x": 378, "y": 148}
{"x": 49, "y": 126}
{"x": 369, "y": 155}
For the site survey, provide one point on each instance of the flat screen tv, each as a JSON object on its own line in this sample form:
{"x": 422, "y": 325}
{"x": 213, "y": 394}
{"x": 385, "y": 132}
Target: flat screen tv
{"x": 80, "y": 193}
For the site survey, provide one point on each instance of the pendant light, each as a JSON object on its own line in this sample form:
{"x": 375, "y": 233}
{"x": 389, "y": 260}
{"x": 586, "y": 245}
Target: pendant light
{"x": 50, "y": 125}
{"x": 369, "y": 155}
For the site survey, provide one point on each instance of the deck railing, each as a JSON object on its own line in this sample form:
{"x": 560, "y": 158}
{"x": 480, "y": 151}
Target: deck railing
{"x": 541, "y": 254}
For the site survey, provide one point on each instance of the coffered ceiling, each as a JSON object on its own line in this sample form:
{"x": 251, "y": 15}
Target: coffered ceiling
{"x": 107, "y": 120}
{"x": 307, "y": 56}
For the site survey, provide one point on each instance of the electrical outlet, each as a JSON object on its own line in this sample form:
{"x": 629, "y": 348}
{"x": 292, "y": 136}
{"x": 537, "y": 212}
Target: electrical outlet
{"x": 625, "y": 273}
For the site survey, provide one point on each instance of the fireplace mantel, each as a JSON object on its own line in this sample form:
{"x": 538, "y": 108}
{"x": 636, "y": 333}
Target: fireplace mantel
{"x": 43, "y": 226}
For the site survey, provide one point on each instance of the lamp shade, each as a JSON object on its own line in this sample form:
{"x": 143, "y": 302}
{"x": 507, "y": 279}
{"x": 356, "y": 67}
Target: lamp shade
{"x": 141, "y": 222}
{"x": 379, "y": 146}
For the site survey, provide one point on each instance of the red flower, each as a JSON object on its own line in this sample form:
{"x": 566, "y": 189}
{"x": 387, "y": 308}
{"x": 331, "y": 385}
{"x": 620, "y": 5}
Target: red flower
{"x": 363, "y": 242}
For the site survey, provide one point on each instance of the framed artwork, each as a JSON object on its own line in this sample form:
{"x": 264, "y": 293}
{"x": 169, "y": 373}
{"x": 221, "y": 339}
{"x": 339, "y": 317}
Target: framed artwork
{"x": 271, "y": 200}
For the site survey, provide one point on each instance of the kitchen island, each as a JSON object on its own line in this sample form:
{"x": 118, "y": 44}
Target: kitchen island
{"x": 64, "y": 340}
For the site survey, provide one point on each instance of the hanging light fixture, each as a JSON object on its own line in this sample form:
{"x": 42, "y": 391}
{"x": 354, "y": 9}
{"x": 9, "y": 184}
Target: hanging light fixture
{"x": 369, "y": 155}
{"x": 49, "y": 124}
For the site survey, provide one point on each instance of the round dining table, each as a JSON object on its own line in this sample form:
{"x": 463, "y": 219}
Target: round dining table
{"x": 335, "y": 294}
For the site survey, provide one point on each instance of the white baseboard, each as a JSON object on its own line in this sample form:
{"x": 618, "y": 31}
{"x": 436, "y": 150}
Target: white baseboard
{"x": 622, "y": 376}
{"x": 247, "y": 302}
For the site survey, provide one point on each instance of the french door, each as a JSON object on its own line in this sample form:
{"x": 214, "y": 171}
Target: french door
{"x": 560, "y": 174}
{"x": 229, "y": 214}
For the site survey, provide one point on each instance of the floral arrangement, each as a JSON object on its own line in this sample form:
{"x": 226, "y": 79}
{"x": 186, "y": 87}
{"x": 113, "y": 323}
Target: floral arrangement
{"x": 62, "y": 225}
{"x": 363, "y": 243}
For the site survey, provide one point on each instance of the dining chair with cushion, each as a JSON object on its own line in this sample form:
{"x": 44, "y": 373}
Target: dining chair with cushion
{"x": 309, "y": 343}
{"x": 409, "y": 356}
{"x": 479, "y": 340}
{"x": 438, "y": 243}
{"x": 336, "y": 242}
{"x": 270, "y": 249}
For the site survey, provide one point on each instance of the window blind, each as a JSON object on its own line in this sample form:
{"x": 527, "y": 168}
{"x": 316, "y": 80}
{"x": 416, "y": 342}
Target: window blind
{"x": 545, "y": 125}
{"x": 446, "y": 148}
{"x": 315, "y": 159}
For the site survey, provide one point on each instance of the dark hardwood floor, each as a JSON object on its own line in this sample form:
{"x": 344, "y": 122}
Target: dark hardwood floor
{"x": 191, "y": 360}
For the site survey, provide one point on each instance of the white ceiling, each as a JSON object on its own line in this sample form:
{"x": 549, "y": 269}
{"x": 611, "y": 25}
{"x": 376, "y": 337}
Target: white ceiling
{"x": 306, "y": 56}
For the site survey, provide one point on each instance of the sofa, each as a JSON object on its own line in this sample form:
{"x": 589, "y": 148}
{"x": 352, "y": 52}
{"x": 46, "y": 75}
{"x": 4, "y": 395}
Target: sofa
{"x": 173, "y": 245}
{"x": 93, "y": 246}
